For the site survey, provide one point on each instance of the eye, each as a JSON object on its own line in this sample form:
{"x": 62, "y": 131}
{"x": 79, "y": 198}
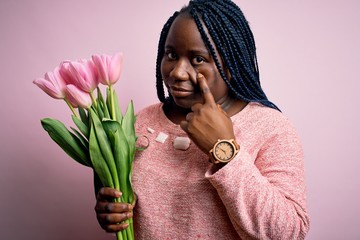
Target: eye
{"x": 198, "y": 60}
{"x": 171, "y": 55}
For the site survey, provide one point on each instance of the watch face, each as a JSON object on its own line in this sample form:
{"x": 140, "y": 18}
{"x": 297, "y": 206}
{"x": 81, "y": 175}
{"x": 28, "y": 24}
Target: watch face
{"x": 224, "y": 151}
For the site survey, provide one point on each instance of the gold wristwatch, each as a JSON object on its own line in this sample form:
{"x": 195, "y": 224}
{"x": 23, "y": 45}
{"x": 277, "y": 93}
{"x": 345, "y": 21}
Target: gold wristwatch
{"x": 224, "y": 151}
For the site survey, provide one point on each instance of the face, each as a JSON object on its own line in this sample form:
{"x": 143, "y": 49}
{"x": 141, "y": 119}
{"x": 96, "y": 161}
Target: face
{"x": 185, "y": 56}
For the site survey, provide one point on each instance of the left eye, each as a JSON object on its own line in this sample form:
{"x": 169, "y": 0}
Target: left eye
{"x": 198, "y": 60}
{"x": 171, "y": 55}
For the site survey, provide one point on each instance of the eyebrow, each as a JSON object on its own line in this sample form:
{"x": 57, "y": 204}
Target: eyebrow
{"x": 200, "y": 52}
{"x": 193, "y": 52}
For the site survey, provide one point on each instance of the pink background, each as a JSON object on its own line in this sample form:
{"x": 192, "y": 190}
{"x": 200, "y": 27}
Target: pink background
{"x": 309, "y": 61}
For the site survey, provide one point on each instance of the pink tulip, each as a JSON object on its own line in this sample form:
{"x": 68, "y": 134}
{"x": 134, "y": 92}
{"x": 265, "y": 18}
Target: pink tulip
{"x": 109, "y": 67}
{"x": 64, "y": 70}
{"x": 77, "y": 97}
{"x": 52, "y": 84}
{"x": 84, "y": 75}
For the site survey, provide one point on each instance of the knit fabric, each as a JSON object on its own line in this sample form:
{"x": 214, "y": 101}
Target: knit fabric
{"x": 260, "y": 194}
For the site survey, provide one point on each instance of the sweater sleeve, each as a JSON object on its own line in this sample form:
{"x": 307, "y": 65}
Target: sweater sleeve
{"x": 265, "y": 195}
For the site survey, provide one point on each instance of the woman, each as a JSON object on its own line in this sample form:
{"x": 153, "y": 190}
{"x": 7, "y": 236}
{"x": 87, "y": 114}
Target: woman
{"x": 242, "y": 177}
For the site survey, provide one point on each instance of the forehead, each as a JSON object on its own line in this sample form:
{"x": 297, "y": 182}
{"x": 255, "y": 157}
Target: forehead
{"x": 185, "y": 32}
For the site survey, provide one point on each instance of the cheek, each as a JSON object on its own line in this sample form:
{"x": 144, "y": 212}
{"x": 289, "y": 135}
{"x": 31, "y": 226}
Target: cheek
{"x": 218, "y": 87}
{"x": 165, "y": 68}
{"x": 162, "y": 67}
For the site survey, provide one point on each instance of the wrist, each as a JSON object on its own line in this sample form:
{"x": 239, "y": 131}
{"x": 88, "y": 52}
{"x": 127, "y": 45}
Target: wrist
{"x": 223, "y": 151}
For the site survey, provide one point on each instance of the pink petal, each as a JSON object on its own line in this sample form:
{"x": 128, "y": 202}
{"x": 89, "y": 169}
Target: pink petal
{"x": 78, "y": 97}
{"x": 84, "y": 75}
{"x": 115, "y": 67}
{"x": 48, "y": 88}
{"x": 52, "y": 84}
{"x": 66, "y": 73}
{"x": 101, "y": 64}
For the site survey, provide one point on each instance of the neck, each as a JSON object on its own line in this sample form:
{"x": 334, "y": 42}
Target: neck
{"x": 175, "y": 113}
{"x": 231, "y": 105}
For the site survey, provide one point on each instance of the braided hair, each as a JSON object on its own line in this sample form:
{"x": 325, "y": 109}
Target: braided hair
{"x": 233, "y": 39}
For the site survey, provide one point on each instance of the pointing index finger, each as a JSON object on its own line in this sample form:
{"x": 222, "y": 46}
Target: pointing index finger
{"x": 205, "y": 90}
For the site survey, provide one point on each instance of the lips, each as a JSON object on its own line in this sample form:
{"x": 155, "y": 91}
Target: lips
{"x": 180, "y": 91}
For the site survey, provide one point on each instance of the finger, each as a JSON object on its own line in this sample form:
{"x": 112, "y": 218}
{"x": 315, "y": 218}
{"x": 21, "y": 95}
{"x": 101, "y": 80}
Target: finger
{"x": 114, "y": 218}
{"x": 189, "y": 116}
{"x": 193, "y": 78}
{"x": 205, "y": 90}
{"x": 196, "y": 107}
{"x": 184, "y": 125}
{"x": 115, "y": 227}
{"x": 109, "y": 207}
{"x": 107, "y": 194}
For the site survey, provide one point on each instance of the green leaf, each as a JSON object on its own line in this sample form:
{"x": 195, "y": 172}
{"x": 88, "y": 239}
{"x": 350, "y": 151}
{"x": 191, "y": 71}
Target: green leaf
{"x": 121, "y": 155}
{"x": 104, "y": 146}
{"x": 99, "y": 163}
{"x": 84, "y": 129}
{"x": 102, "y": 104}
{"x": 128, "y": 125}
{"x": 83, "y": 116}
{"x": 66, "y": 140}
{"x": 82, "y": 139}
{"x": 129, "y": 121}
{"x": 118, "y": 113}
{"x": 100, "y": 112}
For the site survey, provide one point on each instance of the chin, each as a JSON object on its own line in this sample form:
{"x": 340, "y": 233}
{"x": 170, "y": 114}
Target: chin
{"x": 182, "y": 104}
{"x": 185, "y": 103}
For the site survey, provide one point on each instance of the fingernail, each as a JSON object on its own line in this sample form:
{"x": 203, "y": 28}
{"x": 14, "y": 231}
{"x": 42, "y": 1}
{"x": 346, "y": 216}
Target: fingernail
{"x": 117, "y": 193}
{"x": 199, "y": 75}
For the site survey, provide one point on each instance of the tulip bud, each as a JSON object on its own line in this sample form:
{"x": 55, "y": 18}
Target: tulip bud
{"x": 65, "y": 73}
{"x": 108, "y": 67}
{"x": 52, "y": 84}
{"x": 84, "y": 75}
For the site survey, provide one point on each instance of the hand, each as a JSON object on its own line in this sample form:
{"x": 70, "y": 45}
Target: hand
{"x": 207, "y": 122}
{"x": 111, "y": 215}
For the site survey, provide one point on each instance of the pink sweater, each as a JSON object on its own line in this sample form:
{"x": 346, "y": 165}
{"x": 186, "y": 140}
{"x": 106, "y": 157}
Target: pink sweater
{"x": 258, "y": 195}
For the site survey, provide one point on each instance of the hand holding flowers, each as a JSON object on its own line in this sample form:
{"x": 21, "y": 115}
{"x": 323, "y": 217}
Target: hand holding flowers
{"x": 105, "y": 138}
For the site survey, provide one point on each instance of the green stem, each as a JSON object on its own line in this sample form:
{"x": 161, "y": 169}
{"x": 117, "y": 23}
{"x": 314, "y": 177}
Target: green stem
{"x": 131, "y": 221}
{"x": 93, "y": 99}
{"x": 123, "y": 232}
{"x": 119, "y": 236}
{"x": 72, "y": 108}
{"x": 128, "y": 233}
{"x": 112, "y": 102}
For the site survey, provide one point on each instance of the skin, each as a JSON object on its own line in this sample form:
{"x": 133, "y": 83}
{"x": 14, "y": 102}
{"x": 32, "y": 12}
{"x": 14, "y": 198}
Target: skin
{"x": 202, "y": 105}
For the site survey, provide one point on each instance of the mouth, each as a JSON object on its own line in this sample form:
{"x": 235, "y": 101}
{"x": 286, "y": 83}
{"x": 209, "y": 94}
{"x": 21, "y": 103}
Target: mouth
{"x": 179, "y": 92}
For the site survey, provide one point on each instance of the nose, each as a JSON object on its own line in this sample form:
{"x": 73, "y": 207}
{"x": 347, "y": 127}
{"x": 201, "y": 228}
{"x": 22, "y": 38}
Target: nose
{"x": 181, "y": 70}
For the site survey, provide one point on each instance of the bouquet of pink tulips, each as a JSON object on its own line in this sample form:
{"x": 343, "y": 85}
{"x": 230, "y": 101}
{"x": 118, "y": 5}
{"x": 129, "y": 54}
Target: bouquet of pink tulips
{"x": 105, "y": 138}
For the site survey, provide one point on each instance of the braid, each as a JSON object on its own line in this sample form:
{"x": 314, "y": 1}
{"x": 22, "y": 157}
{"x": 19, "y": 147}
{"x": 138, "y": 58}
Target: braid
{"x": 232, "y": 55}
{"x": 232, "y": 38}
{"x": 225, "y": 54}
{"x": 163, "y": 35}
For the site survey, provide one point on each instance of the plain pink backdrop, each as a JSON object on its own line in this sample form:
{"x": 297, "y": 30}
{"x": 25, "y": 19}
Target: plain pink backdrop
{"x": 309, "y": 62}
